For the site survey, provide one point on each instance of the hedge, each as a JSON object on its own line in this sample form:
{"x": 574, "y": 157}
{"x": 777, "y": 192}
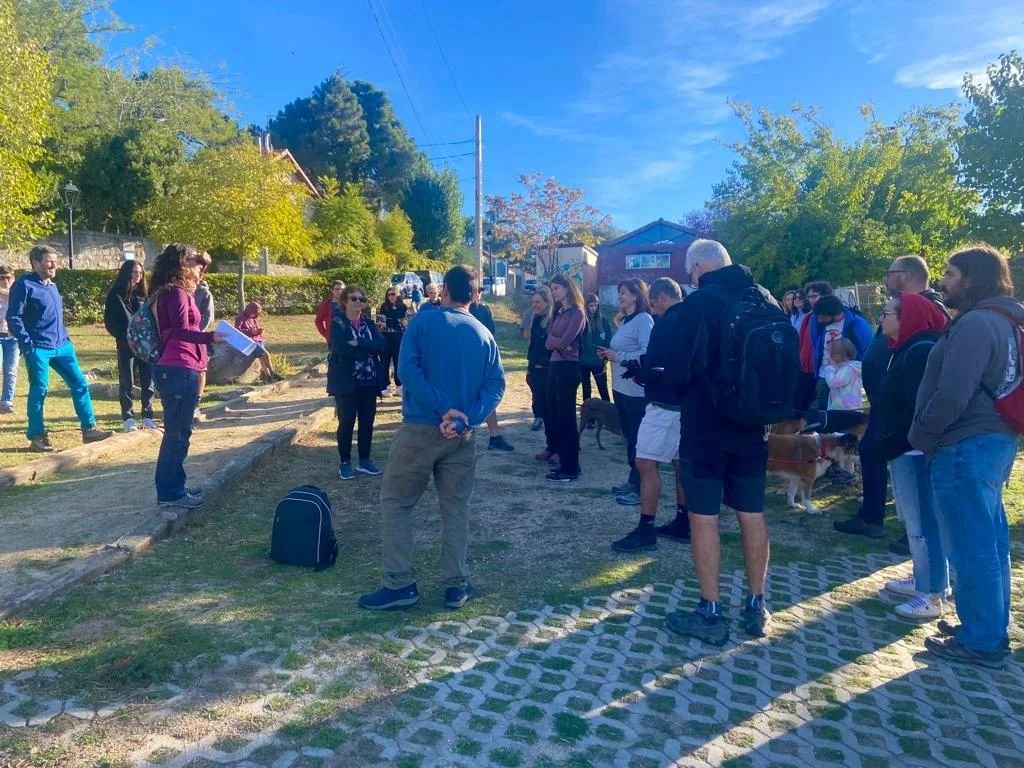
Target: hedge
{"x": 85, "y": 291}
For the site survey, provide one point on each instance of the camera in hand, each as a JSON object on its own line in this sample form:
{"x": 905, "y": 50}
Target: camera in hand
{"x": 632, "y": 369}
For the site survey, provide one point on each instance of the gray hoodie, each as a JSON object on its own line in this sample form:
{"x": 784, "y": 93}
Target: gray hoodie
{"x": 979, "y": 348}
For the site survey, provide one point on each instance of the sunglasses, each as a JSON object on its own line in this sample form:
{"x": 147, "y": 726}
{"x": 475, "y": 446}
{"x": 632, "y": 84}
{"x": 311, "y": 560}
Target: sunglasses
{"x": 358, "y": 299}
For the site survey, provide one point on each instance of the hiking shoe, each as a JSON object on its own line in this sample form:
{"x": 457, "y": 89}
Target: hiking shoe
{"x": 367, "y": 467}
{"x": 921, "y": 608}
{"x": 456, "y": 597}
{"x": 129, "y": 425}
{"x": 499, "y": 443}
{"x": 640, "y": 539}
{"x": 188, "y": 501}
{"x": 149, "y": 424}
{"x": 345, "y": 471}
{"x": 948, "y": 628}
{"x": 385, "y": 599}
{"x": 558, "y": 476}
{"x": 857, "y": 527}
{"x": 538, "y": 425}
{"x": 93, "y": 435}
{"x": 619, "y": 490}
{"x": 901, "y": 546}
{"x": 677, "y": 530}
{"x": 755, "y": 620}
{"x": 951, "y": 648}
{"x": 630, "y": 499}
{"x": 903, "y": 587}
{"x": 41, "y": 443}
{"x": 710, "y": 629}
{"x": 6, "y": 408}
{"x": 545, "y": 455}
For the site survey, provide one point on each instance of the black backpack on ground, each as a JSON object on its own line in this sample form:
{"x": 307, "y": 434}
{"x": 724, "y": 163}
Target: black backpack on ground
{"x": 303, "y": 532}
{"x": 759, "y": 359}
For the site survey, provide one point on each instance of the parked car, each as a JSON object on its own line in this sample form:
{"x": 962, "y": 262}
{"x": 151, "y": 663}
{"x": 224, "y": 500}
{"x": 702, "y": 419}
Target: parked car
{"x": 495, "y": 286}
{"x": 530, "y": 286}
{"x": 406, "y": 281}
{"x": 429, "y": 277}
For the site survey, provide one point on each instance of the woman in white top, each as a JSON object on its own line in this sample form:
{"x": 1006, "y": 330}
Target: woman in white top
{"x": 629, "y": 343}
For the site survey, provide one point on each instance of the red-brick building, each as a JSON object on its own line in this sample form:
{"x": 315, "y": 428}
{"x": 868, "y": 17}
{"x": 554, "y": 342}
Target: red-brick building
{"x": 654, "y": 250}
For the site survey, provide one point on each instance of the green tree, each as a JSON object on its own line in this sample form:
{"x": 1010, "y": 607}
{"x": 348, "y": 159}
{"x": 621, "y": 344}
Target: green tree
{"x": 992, "y": 148}
{"x": 433, "y": 203}
{"x": 395, "y": 232}
{"x": 25, "y": 124}
{"x": 346, "y": 229}
{"x": 326, "y": 132}
{"x": 543, "y": 216}
{"x": 393, "y": 156}
{"x": 239, "y": 200}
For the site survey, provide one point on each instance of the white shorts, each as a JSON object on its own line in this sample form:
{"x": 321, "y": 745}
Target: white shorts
{"x": 658, "y": 438}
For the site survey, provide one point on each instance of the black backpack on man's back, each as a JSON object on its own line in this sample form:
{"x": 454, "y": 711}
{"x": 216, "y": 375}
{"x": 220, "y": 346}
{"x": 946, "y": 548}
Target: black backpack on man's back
{"x": 759, "y": 359}
{"x": 303, "y": 532}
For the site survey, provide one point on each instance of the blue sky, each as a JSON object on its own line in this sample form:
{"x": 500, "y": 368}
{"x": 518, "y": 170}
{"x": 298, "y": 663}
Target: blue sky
{"x": 625, "y": 98}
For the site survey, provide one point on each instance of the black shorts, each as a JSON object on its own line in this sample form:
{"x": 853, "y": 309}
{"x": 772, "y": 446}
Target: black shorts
{"x": 713, "y": 474}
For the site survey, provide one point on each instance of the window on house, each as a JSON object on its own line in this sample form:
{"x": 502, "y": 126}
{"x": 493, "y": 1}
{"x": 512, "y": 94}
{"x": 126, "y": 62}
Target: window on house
{"x": 649, "y": 260}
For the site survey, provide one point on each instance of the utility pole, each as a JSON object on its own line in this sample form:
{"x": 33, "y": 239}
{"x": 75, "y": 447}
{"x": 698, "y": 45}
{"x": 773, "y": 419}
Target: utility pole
{"x": 479, "y": 197}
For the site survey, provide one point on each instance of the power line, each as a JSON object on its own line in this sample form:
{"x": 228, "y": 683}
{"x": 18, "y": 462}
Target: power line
{"x": 451, "y": 157}
{"x": 444, "y": 58}
{"x": 449, "y": 143}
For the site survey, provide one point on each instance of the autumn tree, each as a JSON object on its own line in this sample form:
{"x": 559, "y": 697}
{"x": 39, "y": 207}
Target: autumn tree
{"x": 543, "y": 216}
{"x": 239, "y": 200}
{"x": 992, "y": 147}
{"x": 25, "y": 123}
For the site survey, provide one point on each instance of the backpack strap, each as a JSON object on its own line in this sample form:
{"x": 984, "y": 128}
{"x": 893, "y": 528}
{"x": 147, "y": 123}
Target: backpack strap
{"x": 1018, "y": 328}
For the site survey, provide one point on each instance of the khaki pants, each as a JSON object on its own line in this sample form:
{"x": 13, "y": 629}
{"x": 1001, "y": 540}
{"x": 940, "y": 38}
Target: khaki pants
{"x": 417, "y": 452}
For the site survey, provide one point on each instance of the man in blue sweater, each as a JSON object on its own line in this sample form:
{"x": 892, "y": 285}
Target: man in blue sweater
{"x": 35, "y": 317}
{"x": 445, "y": 398}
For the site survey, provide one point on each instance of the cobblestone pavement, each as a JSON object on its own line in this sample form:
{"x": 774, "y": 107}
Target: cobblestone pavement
{"x": 840, "y": 681}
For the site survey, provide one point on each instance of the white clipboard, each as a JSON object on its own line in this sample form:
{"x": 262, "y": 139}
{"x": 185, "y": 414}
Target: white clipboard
{"x": 235, "y": 338}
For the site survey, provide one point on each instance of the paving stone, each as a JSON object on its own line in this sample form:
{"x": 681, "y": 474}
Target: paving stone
{"x": 285, "y": 760}
{"x": 317, "y": 752}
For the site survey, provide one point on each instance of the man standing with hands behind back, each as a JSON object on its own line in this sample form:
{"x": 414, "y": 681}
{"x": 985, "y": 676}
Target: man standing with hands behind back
{"x": 444, "y": 399}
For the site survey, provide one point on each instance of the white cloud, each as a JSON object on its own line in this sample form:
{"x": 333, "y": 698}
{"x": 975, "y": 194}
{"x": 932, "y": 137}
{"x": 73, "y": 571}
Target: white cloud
{"x": 545, "y": 128}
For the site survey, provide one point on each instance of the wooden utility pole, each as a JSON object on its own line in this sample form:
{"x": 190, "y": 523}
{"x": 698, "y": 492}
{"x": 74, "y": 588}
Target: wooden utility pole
{"x": 479, "y": 197}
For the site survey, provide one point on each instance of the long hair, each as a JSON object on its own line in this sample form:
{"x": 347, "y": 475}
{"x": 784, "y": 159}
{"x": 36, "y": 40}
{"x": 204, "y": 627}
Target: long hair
{"x": 123, "y": 282}
{"x": 639, "y": 289}
{"x": 545, "y": 293}
{"x": 172, "y": 267}
{"x": 400, "y": 301}
{"x": 593, "y": 298}
{"x": 572, "y": 291}
{"x": 987, "y": 269}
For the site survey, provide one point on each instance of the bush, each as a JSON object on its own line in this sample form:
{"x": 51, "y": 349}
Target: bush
{"x": 85, "y": 290}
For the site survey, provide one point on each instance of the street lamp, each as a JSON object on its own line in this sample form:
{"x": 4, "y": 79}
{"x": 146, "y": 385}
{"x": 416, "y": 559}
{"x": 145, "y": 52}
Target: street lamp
{"x": 70, "y": 195}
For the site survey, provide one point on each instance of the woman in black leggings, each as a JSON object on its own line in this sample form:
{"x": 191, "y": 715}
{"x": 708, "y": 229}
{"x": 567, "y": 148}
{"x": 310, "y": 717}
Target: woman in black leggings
{"x": 391, "y": 318}
{"x": 564, "y": 377}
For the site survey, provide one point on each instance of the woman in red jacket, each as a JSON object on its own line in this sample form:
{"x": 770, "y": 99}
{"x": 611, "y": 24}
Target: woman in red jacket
{"x": 325, "y": 312}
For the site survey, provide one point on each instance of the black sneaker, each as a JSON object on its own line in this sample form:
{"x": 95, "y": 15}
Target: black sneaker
{"x": 618, "y": 490}
{"x": 558, "y": 476}
{"x": 951, "y": 648}
{"x": 901, "y": 546}
{"x": 755, "y": 621}
{"x": 710, "y": 629}
{"x": 499, "y": 443}
{"x": 948, "y": 628}
{"x": 676, "y": 530}
{"x": 857, "y": 527}
{"x": 456, "y": 597}
{"x": 385, "y": 599}
{"x": 188, "y": 501}
{"x": 640, "y": 539}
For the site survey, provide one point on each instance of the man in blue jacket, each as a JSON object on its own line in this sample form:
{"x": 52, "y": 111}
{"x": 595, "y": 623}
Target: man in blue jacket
{"x": 444, "y": 400}
{"x": 831, "y": 321}
{"x": 35, "y": 317}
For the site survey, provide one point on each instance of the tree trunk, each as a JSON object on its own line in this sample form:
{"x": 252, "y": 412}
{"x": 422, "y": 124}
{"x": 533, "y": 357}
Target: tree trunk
{"x": 241, "y": 283}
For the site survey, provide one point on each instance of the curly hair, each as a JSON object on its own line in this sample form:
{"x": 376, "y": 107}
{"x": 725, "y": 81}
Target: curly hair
{"x": 172, "y": 266}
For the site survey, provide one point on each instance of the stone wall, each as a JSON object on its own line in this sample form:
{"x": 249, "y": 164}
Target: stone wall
{"x": 93, "y": 250}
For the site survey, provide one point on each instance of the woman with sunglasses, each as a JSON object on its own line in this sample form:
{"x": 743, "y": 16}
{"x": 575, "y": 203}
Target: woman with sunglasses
{"x": 392, "y": 319}
{"x": 353, "y": 379}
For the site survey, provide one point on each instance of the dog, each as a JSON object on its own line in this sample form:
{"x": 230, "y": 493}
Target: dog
{"x": 802, "y": 459}
{"x": 808, "y": 422}
{"x": 602, "y": 412}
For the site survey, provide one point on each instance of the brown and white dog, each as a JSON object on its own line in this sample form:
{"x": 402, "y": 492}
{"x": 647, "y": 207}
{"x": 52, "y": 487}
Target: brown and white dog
{"x": 603, "y": 413}
{"x": 848, "y": 422}
{"x": 802, "y": 459}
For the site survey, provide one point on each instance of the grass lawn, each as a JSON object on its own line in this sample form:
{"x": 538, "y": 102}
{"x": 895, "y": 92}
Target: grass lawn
{"x": 171, "y": 617}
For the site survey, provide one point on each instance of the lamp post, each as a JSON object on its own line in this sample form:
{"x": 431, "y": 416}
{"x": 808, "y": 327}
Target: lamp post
{"x": 70, "y": 195}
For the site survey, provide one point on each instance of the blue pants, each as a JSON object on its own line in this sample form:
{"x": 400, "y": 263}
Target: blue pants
{"x": 915, "y": 503}
{"x": 9, "y": 355}
{"x": 179, "y": 391}
{"x": 968, "y": 479}
{"x": 38, "y": 363}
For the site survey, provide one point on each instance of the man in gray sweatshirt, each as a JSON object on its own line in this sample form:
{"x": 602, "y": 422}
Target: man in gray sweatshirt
{"x": 971, "y": 449}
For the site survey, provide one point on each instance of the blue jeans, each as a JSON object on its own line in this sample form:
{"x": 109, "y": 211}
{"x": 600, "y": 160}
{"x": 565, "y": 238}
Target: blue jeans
{"x": 38, "y": 363}
{"x": 968, "y": 480}
{"x": 915, "y": 503}
{"x": 9, "y": 354}
{"x": 179, "y": 391}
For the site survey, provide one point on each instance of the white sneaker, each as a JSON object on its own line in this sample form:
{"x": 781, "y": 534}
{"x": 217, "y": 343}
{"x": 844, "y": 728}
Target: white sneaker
{"x": 149, "y": 424}
{"x": 903, "y": 587}
{"x": 129, "y": 425}
{"x": 921, "y": 608}
{"x": 398, "y": 392}
{"x": 390, "y": 391}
